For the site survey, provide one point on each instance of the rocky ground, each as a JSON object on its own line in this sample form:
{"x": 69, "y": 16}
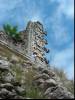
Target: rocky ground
{"x": 51, "y": 85}
{"x": 9, "y": 87}
{"x": 45, "y": 79}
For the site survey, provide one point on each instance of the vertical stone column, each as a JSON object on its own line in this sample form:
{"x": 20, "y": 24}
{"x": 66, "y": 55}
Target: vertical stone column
{"x": 30, "y": 42}
{"x": 29, "y": 30}
{"x": 36, "y": 42}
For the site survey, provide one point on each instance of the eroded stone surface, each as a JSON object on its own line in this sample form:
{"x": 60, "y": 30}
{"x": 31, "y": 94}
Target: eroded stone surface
{"x": 9, "y": 88}
{"x": 52, "y": 87}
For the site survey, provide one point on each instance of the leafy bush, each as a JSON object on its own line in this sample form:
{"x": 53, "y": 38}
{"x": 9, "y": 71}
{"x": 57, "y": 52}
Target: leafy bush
{"x": 12, "y": 31}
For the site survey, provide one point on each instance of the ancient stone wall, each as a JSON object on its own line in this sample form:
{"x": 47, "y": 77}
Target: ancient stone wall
{"x": 26, "y": 46}
{"x": 20, "y": 46}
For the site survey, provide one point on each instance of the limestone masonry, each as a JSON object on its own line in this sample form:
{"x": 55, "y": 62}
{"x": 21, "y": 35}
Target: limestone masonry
{"x": 33, "y": 44}
{"x": 17, "y": 58}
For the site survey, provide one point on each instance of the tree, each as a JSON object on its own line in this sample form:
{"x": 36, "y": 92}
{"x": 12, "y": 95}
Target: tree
{"x": 12, "y": 31}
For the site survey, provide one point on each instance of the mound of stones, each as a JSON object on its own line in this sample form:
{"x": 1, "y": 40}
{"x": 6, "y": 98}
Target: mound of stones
{"x": 50, "y": 84}
{"x": 45, "y": 79}
{"x": 9, "y": 88}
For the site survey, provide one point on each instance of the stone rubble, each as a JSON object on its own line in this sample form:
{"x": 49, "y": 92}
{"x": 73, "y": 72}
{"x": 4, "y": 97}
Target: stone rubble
{"x": 51, "y": 85}
{"x": 8, "y": 89}
{"x": 45, "y": 79}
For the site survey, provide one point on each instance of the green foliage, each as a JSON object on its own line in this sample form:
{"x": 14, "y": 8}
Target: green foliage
{"x": 27, "y": 76}
{"x": 60, "y": 73}
{"x": 17, "y": 71}
{"x": 69, "y": 84}
{"x": 34, "y": 92}
{"x": 12, "y": 31}
{"x": 31, "y": 90}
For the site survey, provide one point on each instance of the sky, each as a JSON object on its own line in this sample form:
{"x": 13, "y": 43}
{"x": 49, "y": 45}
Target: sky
{"x": 57, "y": 16}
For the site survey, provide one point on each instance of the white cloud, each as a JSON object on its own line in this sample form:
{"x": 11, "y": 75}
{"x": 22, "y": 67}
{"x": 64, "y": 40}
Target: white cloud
{"x": 65, "y": 60}
{"x": 60, "y": 33}
{"x": 19, "y": 11}
{"x": 8, "y": 4}
{"x": 66, "y": 7}
{"x": 36, "y": 18}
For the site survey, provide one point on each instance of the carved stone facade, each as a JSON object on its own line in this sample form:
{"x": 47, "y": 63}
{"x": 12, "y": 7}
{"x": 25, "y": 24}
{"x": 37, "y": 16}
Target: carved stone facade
{"x": 37, "y": 42}
{"x": 33, "y": 43}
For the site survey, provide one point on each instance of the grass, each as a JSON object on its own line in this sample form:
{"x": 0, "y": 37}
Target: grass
{"x": 27, "y": 76}
{"x": 69, "y": 84}
{"x": 31, "y": 90}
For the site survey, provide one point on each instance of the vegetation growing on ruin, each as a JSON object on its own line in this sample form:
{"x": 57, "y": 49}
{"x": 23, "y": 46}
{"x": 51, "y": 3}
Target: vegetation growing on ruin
{"x": 26, "y": 77}
{"x": 68, "y": 83}
{"x": 12, "y": 31}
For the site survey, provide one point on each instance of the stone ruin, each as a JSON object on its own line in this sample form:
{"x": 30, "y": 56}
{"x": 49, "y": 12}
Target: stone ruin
{"x": 33, "y": 44}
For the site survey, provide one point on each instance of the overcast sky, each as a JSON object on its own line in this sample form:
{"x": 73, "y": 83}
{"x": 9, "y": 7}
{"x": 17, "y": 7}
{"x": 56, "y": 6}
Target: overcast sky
{"x": 57, "y": 16}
